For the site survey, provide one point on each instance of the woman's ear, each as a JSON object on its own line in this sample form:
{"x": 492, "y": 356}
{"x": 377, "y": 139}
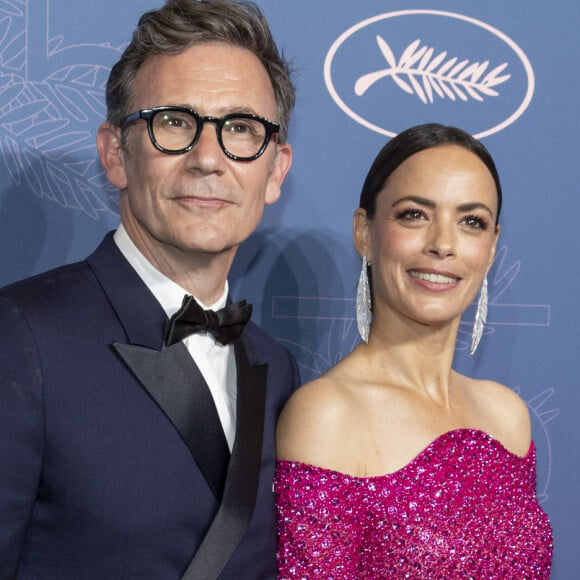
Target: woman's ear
{"x": 493, "y": 248}
{"x": 361, "y": 233}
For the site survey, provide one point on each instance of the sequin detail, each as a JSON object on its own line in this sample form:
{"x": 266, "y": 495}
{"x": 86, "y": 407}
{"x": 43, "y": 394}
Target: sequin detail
{"x": 463, "y": 508}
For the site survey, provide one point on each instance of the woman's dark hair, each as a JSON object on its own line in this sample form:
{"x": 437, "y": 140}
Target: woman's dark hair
{"x": 411, "y": 141}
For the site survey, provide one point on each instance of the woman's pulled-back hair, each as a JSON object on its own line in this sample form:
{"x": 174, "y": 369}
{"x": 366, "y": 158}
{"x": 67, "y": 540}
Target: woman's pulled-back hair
{"x": 411, "y": 141}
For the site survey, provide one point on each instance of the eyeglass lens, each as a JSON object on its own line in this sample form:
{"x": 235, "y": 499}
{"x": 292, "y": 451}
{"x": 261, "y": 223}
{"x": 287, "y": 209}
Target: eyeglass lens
{"x": 176, "y": 130}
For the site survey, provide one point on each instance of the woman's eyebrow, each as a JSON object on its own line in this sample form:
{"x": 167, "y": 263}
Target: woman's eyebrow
{"x": 473, "y": 206}
{"x": 415, "y": 199}
{"x": 470, "y": 206}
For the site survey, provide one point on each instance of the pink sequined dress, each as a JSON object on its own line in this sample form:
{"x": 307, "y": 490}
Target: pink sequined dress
{"x": 465, "y": 507}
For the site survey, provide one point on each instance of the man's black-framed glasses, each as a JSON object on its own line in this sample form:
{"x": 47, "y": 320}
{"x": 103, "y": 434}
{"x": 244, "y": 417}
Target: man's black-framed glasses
{"x": 176, "y": 130}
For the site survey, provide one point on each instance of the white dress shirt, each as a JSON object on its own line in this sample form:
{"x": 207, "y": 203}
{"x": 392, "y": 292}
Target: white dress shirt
{"x": 216, "y": 362}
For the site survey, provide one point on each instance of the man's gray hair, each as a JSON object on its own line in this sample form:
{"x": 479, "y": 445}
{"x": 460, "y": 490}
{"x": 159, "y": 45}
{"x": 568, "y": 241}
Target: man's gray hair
{"x": 181, "y": 24}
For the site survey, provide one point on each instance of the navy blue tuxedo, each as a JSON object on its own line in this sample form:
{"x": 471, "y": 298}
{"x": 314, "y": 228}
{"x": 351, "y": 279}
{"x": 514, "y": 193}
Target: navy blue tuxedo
{"x": 101, "y": 474}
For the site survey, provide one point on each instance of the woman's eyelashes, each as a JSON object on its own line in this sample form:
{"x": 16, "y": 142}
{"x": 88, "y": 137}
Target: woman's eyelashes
{"x": 475, "y": 222}
{"x": 415, "y": 214}
{"x": 410, "y": 214}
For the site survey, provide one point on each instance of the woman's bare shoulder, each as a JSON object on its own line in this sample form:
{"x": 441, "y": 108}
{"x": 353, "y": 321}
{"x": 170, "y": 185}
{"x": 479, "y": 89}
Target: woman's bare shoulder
{"x": 311, "y": 419}
{"x": 506, "y": 413}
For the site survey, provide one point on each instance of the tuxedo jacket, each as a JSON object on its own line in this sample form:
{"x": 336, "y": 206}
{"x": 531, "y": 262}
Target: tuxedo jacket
{"x": 104, "y": 466}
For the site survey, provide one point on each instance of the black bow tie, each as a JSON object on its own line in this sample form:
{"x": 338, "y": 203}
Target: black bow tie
{"x": 225, "y": 325}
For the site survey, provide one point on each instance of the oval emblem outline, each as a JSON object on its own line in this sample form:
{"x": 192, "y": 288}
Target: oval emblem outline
{"x": 454, "y": 15}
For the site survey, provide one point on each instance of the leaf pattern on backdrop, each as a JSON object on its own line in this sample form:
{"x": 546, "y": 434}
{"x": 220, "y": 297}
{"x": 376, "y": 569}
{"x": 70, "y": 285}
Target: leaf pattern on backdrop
{"x": 47, "y": 124}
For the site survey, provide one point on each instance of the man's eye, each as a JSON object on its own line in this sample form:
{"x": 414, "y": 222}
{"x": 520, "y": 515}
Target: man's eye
{"x": 175, "y": 122}
{"x": 243, "y": 128}
{"x": 238, "y": 127}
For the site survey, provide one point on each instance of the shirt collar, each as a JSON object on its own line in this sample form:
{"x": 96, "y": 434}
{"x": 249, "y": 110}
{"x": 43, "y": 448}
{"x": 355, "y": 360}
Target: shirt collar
{"x": 166, "y": 291}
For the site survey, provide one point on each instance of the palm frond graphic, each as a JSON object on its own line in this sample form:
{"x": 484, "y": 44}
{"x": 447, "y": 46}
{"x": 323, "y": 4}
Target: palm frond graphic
{"x": 419, "y": 72}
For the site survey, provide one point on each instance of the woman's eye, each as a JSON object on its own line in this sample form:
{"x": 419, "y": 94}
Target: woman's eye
{"x": 475, "y": 222}
{"x": 410, "y": 214}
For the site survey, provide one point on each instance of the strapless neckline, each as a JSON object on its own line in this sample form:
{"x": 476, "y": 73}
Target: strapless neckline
{"x": 460, "y": 433}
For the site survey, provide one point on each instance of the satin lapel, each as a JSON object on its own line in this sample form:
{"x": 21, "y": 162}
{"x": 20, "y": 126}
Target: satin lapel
{"x": 168, "y": 374}
{"x": 142, "y": 317}
{"x": 174, "y": 381}
{"x": 239, "y": 499}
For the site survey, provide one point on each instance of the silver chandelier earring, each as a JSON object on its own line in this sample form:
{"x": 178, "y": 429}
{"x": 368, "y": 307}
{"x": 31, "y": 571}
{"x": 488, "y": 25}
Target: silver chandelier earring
{"x": 363, "y": 302}
{"x": 480, "y": 317}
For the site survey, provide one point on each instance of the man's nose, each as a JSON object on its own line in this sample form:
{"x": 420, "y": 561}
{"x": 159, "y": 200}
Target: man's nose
{"x": 207, "y": 153}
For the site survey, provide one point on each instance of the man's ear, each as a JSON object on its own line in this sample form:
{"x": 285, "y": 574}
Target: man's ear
{"x": 112, "y": 154}
{"x": 361, "y": 233}
{"x": 280, "y": 168}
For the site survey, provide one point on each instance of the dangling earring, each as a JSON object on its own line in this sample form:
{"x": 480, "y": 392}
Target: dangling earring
{"x": 480, "y": 317}
{"x": 363, "y": 302}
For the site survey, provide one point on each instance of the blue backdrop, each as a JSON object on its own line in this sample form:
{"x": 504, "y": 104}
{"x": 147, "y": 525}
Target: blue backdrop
{"x": 505, "y": 71}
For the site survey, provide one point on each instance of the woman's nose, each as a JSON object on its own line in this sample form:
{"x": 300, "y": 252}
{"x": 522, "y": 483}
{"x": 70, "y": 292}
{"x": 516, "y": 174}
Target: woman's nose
{"x": 442, "y": 240}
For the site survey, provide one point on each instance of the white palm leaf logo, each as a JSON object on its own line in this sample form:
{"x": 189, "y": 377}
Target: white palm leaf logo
{"x": 419, "y": 72}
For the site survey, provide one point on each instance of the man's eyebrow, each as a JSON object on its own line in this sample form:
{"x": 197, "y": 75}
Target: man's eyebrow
{"x": 244, "y": 109}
